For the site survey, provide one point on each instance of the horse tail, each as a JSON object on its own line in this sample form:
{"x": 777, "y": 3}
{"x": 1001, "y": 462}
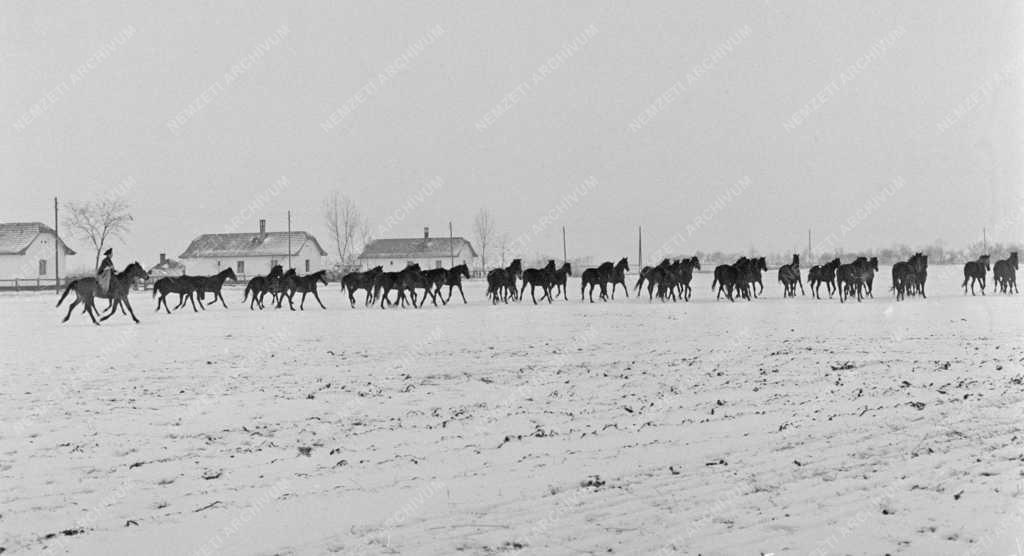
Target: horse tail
{"x": 248, "y": 288}
{"x": 714, "y": 283}
{"x": 71, "y": 284}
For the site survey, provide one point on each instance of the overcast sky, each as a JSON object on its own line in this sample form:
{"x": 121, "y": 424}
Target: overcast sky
{"x": 812, "y": 109}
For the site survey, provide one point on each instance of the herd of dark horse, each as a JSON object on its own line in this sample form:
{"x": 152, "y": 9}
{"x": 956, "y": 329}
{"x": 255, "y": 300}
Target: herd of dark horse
{"x": 412, "y": 286}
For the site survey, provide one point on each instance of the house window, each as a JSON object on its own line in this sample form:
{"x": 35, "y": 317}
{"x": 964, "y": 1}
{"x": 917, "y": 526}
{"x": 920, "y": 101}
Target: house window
{"x": 307, "y": 265}
{"x": 437, "y": 264}
{"x": 241, "y": 267}
{"x": 42, "y": 267}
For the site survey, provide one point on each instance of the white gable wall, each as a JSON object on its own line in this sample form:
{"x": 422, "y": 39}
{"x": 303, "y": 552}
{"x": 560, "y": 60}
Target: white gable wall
{"x": 26, "y": 266}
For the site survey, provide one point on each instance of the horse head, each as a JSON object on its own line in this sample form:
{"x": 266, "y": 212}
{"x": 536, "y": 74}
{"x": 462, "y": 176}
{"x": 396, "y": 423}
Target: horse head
{"x": 230, "y": 273}
{"x": 290, "y": 272}
{"x": 1013, "y": 260}
{"x": 834, "y": 263}
{"x": 567, "y": 269}
{"x": 796, "y": 260}
{"x": 874, "y": 263}
{"x": 695, "y": 262}
{"x": 550, "y": 267}
{"x": 135, "y": 271}
{"x": 623, "y": 264}
{"x": 761, "y": 263}
{"x": 276, "y": 271}
{"x": 321, "y": 275}
{"x": 984, "y": 260}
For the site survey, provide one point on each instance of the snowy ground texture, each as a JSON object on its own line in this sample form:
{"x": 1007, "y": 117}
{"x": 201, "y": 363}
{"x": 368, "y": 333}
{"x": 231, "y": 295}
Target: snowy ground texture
{"x": 778, "y": 426}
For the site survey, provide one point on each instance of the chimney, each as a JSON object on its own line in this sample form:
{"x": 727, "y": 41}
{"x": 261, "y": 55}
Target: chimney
{"x": 426, "y": 232}
{"x": 163, "y": 258}
{"x": 263, "y": 226}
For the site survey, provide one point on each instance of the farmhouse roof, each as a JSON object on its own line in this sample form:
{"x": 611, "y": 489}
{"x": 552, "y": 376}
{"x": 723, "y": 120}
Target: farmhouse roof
{"x": 415, "y": 248}
{"x": 253, "y": 244}
{"x": 16, "y": 237}
{"x": 169, "y": 267}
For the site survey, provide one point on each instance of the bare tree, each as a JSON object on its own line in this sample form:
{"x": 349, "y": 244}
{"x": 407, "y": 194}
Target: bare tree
{"x": 503, "y": 244}
{"x": 483, "y": 229}
{"x": 98, "y": 222}
{"x": 346, "y": 226}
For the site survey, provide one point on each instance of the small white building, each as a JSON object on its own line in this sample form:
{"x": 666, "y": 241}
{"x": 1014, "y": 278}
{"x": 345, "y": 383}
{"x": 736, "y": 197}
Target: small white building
{"x": 394, "y": 254}
{"x": 166, "y": 267}
{"x": 254, "y": 253}
{"x": 27, "y": 252}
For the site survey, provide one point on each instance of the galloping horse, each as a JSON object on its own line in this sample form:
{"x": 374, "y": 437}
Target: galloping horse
{"x": 561, "y": 278}
{"x": 975, "y": 272}
{"x": 174, "y": 284}
{"x": 453, "y": 279}
{"x": 824, "y": 274}
{"x": 501, "y": 282}
{"x": 1004, "y": 272}
{"x": 618, "y": 276}
{"x": 789, "y": 275}
{"x": 88, "y": 289}
{"x": 260, "y": 285}
{"x": 214, "y": 284}
{"x": 408, "y": 278}
{"x": 305, "y": 285}
{"x": 354, "y": 281}
{"x": 645, "y": 273}
{"x": 596, "y": 277}
{"x": 726, "y": 278}
{"x": 543, "y": 277}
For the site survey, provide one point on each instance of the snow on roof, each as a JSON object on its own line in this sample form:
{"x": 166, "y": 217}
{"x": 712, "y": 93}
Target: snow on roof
{"x": 413, "y": 248}
{"x": 169, "y": 267}
{"x": 16, "y": 237}
{"x": 253, "y": 244}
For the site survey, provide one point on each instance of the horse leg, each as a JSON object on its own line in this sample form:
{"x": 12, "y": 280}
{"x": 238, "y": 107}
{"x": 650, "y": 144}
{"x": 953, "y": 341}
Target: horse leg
{"x": 462, "y": 293}
{"x": 71, "y": 308}
{"x": 221, "y": 297}
{"x": 317, "y": 296}
{"x": 302, "y": 302}
{"x": 128, "y": 304}
{"x": 90, "y": 307}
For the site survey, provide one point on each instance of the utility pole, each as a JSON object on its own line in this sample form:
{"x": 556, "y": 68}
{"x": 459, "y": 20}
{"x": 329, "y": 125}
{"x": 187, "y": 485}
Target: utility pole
{"x": 56, "y": 249}
{"x": 451, "y": 244}
{"x": 809, "y": 256}
{"x": 984, "y": 240}
{"x": 289, "y": 239}
{"x": 565, "y": 255}
{"x": 640, "y": 247}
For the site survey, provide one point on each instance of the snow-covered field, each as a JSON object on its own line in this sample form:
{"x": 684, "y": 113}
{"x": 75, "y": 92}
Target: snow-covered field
{"x": 777, "y": 426}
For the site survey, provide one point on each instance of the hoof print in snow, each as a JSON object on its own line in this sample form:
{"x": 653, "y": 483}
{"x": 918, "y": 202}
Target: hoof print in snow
{"x": 842, "y": 366}
{"x": 673, "y": 470}
{"x": 131, "y": 522}
{"x": 719, "y": 462}
{"x": 341, "y": 463}
{"x": 305, "y": 450}
{"x": 958, "y": 495}
{"x": 916, "y": 405}
{"x": 210, "y": 474}
{"x": 592, "y": 481}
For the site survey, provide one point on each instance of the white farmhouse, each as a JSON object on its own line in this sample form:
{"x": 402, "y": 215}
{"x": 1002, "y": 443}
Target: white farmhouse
{"x": 27, "y": 252}
{"x": 393, "y": 254}
{"x": 254, "y": 253}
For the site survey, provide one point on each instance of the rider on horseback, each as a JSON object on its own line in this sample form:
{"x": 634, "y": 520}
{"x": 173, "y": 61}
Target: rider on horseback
{"x": 106, "y": 270}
